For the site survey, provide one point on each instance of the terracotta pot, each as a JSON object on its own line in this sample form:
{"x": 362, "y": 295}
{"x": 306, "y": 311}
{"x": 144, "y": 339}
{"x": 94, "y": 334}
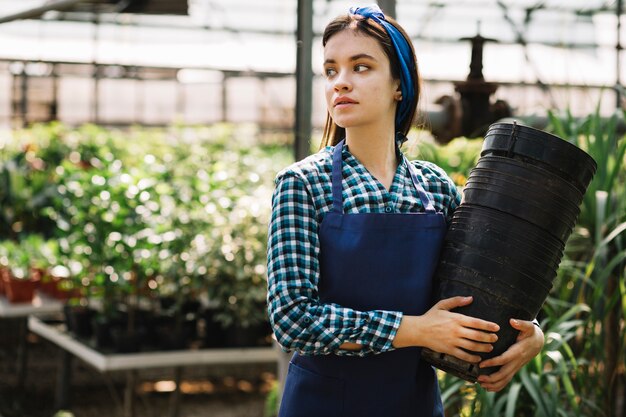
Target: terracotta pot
{"x": 65, "y": 294}
{"x": 3, "y": 271}
{"x": 19, "y": 290}
{"x": 44, "y": 281}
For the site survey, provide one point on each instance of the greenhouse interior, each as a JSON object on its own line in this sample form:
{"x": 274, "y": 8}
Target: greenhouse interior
{"x": 140, "y": 144}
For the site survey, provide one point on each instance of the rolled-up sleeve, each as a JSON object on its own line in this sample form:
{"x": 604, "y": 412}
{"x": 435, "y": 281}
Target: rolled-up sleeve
{"x": 299, "y": 320}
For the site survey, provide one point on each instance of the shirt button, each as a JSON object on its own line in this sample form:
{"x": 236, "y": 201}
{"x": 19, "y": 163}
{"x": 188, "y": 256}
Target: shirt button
{"x": 388, "y": 209}
{"x": 307, "y": 320}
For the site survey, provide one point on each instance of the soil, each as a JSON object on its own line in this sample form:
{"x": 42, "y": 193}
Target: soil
{"x": 215, "y": 391}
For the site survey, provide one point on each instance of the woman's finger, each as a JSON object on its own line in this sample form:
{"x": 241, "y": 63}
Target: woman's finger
{"x": 476, "y": 347}
{"x": 522, "y": 325}
{"x": 465, "y": 356}
{"x": 453, "y": 302}
{"x": 500, "y": 375}
{"x": 479, "y": 336}
{"x": 479, "y": 324}
{"x": 497, "y": 380}
{"x": 500, "y": 360}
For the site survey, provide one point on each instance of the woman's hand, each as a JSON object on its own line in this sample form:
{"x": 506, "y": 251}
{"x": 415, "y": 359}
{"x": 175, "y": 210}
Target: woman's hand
{"x": 447, "y": 332}
{"x": 529, "y": 343}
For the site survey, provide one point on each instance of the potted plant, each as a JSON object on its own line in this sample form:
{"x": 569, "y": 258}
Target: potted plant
{"x": 236, "y": 278}
{"x": 18, "y": 285}
{"x": 42, "y": 256}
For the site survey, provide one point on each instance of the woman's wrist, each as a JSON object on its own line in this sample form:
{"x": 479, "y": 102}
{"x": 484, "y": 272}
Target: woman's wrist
{"x": 407, "y": 335}
{"x": 351, "y": 346}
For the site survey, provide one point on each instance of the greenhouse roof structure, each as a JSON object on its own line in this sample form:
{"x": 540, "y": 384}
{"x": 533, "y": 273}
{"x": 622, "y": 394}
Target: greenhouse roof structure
{"x": 553, "y": 41}
{"x": 543, "y": 44}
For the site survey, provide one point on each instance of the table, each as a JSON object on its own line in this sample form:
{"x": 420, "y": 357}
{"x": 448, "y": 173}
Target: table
{"x": 132, "y": 362}
{"x": 41, "y": 304}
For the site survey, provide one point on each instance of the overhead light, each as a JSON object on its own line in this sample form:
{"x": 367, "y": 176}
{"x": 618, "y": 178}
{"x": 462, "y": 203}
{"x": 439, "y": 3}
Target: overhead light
{"x": 38, "y": 69}
{"x": 33, "y": 69}
{"x": 199, "y": 76}
{"x": 16, "y": 68}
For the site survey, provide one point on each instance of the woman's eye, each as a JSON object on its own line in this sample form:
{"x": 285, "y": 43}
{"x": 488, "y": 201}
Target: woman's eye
{"x": 329, "y": 72}
{"x": 360, "y": 67}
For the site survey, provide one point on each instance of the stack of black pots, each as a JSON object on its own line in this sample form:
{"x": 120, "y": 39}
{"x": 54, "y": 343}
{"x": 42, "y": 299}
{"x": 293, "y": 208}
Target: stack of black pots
{"x": 506, "y": 240}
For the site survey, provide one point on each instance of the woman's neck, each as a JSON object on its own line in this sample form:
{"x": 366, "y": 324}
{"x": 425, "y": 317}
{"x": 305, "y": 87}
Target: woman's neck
{"x": 376, "y": 151}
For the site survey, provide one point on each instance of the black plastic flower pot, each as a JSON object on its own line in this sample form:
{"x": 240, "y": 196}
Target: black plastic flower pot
{"x": 486, "y": 305}
{"x": 477, "y": 284}
{"x": 102, "y": 328}
{"x": 541, "y": 149}
{"x": 504, "y": 242}
{"x": 533, "y": 194}
{"x": 480, "y": 220}
{"x": 79, "y": 320}
{"x": 506, "y": 239}
{"x": 532, "y": 174}
{"x": 125, "y": 341}
{"x": 214, "y": 334}
{"x": 551, "y": 221}
{"x": 483, "y": 235}
{"x": 512, "y": 253}
{"x": 536, "y": 192}
{"x": 500, "y": 269}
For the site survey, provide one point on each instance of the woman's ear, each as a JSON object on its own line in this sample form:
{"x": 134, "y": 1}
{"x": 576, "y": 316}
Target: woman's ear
{"x": 397, "y": 95}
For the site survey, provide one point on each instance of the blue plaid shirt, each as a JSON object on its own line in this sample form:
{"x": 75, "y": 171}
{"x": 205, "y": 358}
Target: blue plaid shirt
{"x": 301, "y": 198}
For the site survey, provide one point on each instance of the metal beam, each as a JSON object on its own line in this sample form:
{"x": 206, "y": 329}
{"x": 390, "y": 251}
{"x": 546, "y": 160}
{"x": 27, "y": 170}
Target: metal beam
{"x": 304, "y": 79}
{"x": 388, "y": 6}
{"x": 618, "y": 54}
{"x": 38, "y": 11}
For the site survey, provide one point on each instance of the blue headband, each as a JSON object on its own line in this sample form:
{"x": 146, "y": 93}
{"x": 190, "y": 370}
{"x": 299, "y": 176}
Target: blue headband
{"x": 405, "y": 56}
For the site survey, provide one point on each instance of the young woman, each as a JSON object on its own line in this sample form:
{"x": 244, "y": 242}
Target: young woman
{"x": 354, "y": 239}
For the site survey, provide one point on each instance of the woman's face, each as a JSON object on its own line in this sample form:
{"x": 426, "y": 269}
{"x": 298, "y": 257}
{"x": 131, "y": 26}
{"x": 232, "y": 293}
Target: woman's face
{"x": 360, "y": 90}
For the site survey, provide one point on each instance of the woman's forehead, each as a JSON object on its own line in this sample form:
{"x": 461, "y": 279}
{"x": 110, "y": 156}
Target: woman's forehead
{"x": 348, "y": 43}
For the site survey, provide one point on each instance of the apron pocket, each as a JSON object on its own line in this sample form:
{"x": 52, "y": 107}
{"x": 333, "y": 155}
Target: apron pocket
{"x": 308, "y": 394}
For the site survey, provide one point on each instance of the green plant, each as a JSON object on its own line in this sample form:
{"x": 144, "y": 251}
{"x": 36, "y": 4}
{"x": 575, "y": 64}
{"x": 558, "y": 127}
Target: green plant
{"x": 144, "y": 213}
{"x": 15, "y": 259}
{"x": 26, "y": 188}
{"x": 63, "y": 413}
{"x": 596, "y": 255}
{"x": 456, "y": 158}
{"x": 272, "y": 401}
{"x": 42, "y": 253}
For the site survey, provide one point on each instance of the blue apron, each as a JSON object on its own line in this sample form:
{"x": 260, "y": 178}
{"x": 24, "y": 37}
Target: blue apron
{"x": 371, "y": 261}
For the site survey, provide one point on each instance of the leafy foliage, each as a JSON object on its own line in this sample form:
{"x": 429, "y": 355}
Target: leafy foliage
{"x": 181, "y": 211}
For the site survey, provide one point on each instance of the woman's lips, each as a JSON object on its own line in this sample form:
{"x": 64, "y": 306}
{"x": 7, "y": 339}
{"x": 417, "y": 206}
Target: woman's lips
{"x": 341, "y": 102}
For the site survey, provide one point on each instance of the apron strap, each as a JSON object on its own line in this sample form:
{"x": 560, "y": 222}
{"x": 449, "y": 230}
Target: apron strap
{"x": 337, "y": 178}
{"x": 423, "y": 195}
{"x": 337, "y": 184}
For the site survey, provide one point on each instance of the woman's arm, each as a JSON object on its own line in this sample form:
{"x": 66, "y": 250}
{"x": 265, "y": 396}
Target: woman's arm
{"x": 299, "y": 320}
{"x": 443, "y": 331}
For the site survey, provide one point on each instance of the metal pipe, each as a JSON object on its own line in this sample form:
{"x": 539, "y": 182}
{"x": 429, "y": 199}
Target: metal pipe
{"x": 38, "y": 11}
{"x": 304, "y": 79}
{"x": 618, "y": 50}
{"x": 388, "y": 6}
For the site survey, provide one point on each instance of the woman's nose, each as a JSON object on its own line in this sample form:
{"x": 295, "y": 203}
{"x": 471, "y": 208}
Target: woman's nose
{"x": 342, "y": 82}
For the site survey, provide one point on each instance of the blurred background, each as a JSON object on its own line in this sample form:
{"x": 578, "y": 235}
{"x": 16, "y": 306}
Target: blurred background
{"x": 139, "y": 140}
{"x": 151, "y": 62}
